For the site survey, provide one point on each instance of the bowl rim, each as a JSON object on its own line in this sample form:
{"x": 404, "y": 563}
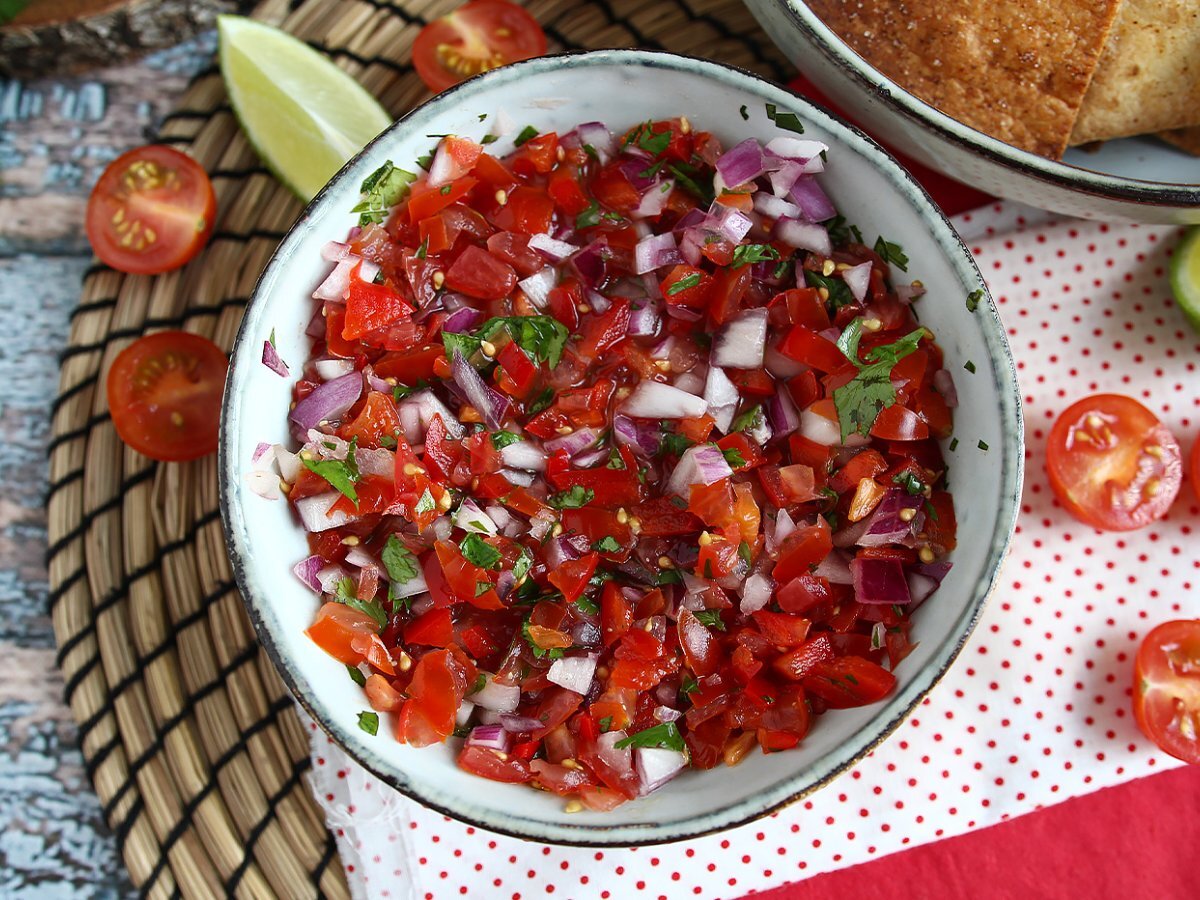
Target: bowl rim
{"x": 971, "y": 140}
{"x": 244, "y": 359}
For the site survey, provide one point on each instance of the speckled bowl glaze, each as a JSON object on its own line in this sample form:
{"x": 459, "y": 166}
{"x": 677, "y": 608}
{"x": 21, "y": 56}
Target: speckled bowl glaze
{"x": 1132, "y": 179}
{"x": 622, "y": 88}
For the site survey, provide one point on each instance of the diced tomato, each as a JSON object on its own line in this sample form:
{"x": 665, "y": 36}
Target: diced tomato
{"x": 717, "y": 559}
{"x": 336, "y": 626}
{"x": 573, "y": 575}
{"x": 798, "y": 663}
{"x": 807, "y": 346}
{"x": 748, "y": 454}
{"x": 536, "y": 156}
{"x": 376, "y": 421}
{"x": 528, "y": 210}
{"x": 424, "y": 201}
{"x": 803, "y": 549}
{"x": 686, "y": 285}
{"x": 493, "y": 765}
{"x": 662, "y": 518}
{"x": 410, "y": 366}
{"x": 849, "y": 681}
{"x": 605, "y": 331}
{"x": 477, "y": 273}
{"x": 434, "y": 629}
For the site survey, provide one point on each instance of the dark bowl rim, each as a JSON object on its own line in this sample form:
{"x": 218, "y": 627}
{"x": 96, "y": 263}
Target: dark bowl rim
{"x": 738, "y": 812}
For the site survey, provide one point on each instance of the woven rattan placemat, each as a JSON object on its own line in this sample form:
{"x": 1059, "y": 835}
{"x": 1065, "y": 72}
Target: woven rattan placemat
{"x": 190, "y": 739}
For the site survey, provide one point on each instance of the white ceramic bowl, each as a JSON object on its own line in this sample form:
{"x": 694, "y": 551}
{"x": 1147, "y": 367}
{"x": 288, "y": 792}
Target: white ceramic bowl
{"x": 623, "y": 88}
{"x": 1132, "y": 179}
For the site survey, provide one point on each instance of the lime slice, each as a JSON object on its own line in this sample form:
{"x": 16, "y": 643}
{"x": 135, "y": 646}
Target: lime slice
{"x": 303, "y": 114}
{"x": 1185, "y": 275}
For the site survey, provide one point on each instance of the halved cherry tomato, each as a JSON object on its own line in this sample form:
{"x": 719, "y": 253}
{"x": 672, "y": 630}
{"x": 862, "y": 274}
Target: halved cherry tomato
{"x": 1166, "y": 688}
{"x": 1112, "y": 463}
{"x": 164, "y": 391}
{"x": 477, "y": 37}
{"x": 151, "y": 211}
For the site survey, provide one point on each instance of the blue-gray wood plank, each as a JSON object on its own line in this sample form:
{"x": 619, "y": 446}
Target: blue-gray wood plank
{"x": 55, "y": 138}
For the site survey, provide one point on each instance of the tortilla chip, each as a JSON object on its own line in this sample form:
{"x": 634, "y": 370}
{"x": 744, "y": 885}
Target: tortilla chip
{"x": 1149, "y": 74}
{"x": 1014, "y": 69}
{"x": 1184, "y": 138}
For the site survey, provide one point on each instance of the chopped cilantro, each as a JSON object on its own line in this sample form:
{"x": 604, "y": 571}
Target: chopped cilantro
{"x": 523, "y": 564}
{"x": 356, "y": 675}
{"x": 910, "y": 482}
{"x": 445, "y": 189}
{"x": 425, "y": 503}
{"x": 466, "y": 345}
{"x": 381, "y": 190}
{"x": 345, "y": 593}
{"x": 953, "y": 444}
{"x": 652, "y": 170}
{"x": 542, "y": 337}
{"x": 666, "y": 736}
{"x": 983, "y": 445}
{"x": 686, "y": 178}
{"x": 687, "y": 281}
{"x": 539, "y": 652}
{"x": 502, "y": 439}
{"x": 369, "y": 722}
{"x": 528, "y": 133}
{"x": 969, "y": 366}
{"x": 841, "y": 232}
{"x": 653, "y": 142}
{"x": 668, "y": 576}
{"x": 788, "y": 121}
{"x": 576, "y": 497}
{"x": 542, "y": 401}
{"x": 734, "y": 457}
{"x": 673, "y": 444}
{"x": 489, "y": 139}
{"x": 342, "y": 474}
{"x": 479, "y": 684}
{"x": 589, "y": 217}
{"x": 605, "y": 724}
{"x": 748, "y": 420}
{"x": 479, "y": 552}
{"x": 744, "y": 552}
{"x": 930, "y": 511}
{"x": 839, "y": 291}
{"x": 399, "y": 561}
{"x": 860, "y": 401}
{"x": 973, "y": 299}
{"x": 745, "y": 115}
{"x": 711, "y": 618}
{"x": 746, "y": 254}
{"x": 607, "y": 544}
{"x": 891, "y": 253}
{"x": 587, "y": 606}
{"x": 387, "y": 442}
{"x": 689, "y": 686}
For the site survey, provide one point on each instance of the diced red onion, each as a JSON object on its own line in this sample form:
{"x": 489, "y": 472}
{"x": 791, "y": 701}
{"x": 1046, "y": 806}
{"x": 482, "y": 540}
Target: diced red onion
{"x": 518, "y": 477}
{"x": 662, "y": 349}
{"x": 263, "y": 484}
{"x": 559, "y": 550}
{"x": 427, "y": 405}
{"x": 783, "y": 178}
{"x": 377, "y": 461}
{"x": 798, "y": 149}
{"x": 667, "y": 713}
{"x": 591, "y": 263}
{"x": 740, "y": 342}
{"x": 329, "y": 369}
{"x": 804, "y": 236}
{"x": 729, "y": 222}
{"x": 524, "y": 455}
{"x": 260, "y": 451}
{"x": 880, "y": 581}
{"x": 490, "y": 404}
{"x": 635, "y": 170}
{"x": 506, "y": 581}
{"x": 782, "y": 413}
{"x": 692, "y": 382}
{"x": 943, "y": 383}
{"x": 335, "y": 251}
{"x": 554, "y": 251}
{"x": 741, "y": 163}
{"x": 337, "y": 282}
{"x": 586, "y": 634}
{"x": 501, "y": 516}
{"x": 597, "y": 136}
{"x": 537, "y": 287}
{"x": 368, "y": 271}
{"x": 289, "y": 463}
{"x": 722, "y": 397}
{"x": 702, "y": 464}
{"x": 471, "y": 518}
{"x": 598, "y": 302}
{"x": 462, "y": 320}
{"x": 654, "y": 400}
{"x": 316, "y": 325}
{"x": 689, "y": 249}
{"x": 759, "y": 430}
{"x": 620, "y": 761}
{"x": 644, "y": 319}
{"x": 573, "y": 672}
{"x": 463, "y": 715}
{"x": 442, "y": 168}
{"x": 907, "y": 293}
{"x": 578, "y": 440}
{"x": 498, "y": 697}
{"x": 812, "y": 200}
{"x": 775, "y": 207}
{"x": 360, "y": 558}
{"x": 654, "y": 251}
{"x": 306, "y": 570}
{"x": 441, "y": 527}
{"x": 329, "y": 401}
{"x": 834, "y": 569}
{"x": 935, "y": 570}
{"x": 415, "y": 585}
{"x": 273, "y": 361}
{"x": 756, "y": 593}
{"x": 590, "y": 458}
{"x": 641, "y": 436}
{"x": 329, "y": 576}
{"x": 654, "y": 201}
{"x": 490, "y": 737}
{"x": 920, "y": 586}
{"x": 656, "y": 766}
{"x": 422, "y": 606}
{"x": 858, "y": 279}
{"x": 819, "y": 429}
{"x": 518, "y": 724}
{"x": 779, "y": 365}
{"x": 784, "y": 526}
{"x": 848, "y": 536}
{"x": 541, "y": 523}
{"x": 326, "y": 446}
{"x": 884, "y": 526}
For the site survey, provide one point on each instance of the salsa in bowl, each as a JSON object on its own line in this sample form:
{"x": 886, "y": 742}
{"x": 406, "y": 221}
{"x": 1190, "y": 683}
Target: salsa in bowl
{"x": 620, "y": 452}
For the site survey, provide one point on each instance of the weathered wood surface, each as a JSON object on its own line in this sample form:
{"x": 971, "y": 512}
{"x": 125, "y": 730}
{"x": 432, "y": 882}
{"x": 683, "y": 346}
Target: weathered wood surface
{"x": 55, "y": 138}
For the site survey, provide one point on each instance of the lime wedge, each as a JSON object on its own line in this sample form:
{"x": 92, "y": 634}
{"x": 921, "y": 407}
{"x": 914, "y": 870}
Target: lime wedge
{"x": 1185, "y": 275}
{"x": 304, "y": 115}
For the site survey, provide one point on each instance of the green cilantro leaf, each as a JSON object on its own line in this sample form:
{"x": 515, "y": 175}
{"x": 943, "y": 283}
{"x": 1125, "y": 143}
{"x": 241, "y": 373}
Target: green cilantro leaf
{"x": 342, "y": 474}
{"x": 983, "y": 446}
{"x": 542, "y": 401}
{"x": 891, "y": 253}
{"x": 607, "y": 544}
{"x": 666, "y": 736}
{"x": 523, "y": 564}
{"x": 734, "y": 457}
{"x": 345, "y": 593}
{"x": 576, "y": 497}
{"x": 839, "y": 291}
{"x": 589, "y": 217}
{"x": 689, "y": 685}
{"x": 746, "y": 254}
{"x": 479, "y": 552}
{"x": 356, "y": 675}
{"x": 369, "y": 722}
{"x": 467, "y": 345}
{"x": 745, "y": 115}
{"x": 653, "y": 142}
{"x": 748, "y": 420}
{"x": 668, "y": 576}
{"x": 860, "y": 401}
{"x": 689, "y": 178}
{"x": 489, "y": 139}
{"x": 910, "y": 482}
{"x": 502, "y": 439}
{"x": 973, "y": 299}
{"x": 399, "y": 561}
{"x": 539, "y": 652}
{"x": 528, "y": 133}
{"x": 381, "y": 190}
{"x": 687, "y": 281}
{"x": 969, "y": 366}
{"x": 953, "y": 444}
{"x": 587, "y": 606}
{"x": 673, "y": 444}
{"x": 605, "y": 724}
{"x": 842, "y": 232}
{"x": 711, "y": 618}
{"x": 788, "y": 121}
{"x": 744, "y": 552}
{"x": 425, "y": 503}
{"x": 542, "y": 337}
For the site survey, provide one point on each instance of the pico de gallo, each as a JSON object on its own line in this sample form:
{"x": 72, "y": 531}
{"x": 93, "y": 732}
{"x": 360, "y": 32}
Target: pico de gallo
{"x": 619, "y": 455}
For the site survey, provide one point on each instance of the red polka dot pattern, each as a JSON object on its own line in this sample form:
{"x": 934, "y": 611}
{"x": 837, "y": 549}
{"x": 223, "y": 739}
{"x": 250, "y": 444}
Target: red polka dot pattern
{"x": 1037, "y": 707}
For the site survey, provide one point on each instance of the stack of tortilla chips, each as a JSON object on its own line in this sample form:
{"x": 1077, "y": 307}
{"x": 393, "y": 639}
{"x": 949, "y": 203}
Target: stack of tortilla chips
{"x": 1041, "y": 75}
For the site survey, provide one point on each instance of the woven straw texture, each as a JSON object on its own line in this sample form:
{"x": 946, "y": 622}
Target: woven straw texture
{"x": 190, "y": 739}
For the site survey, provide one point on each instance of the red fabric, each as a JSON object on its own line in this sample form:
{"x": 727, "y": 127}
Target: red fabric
{"x": 953, "y": 196}
{"x": 1134, "y": 840}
